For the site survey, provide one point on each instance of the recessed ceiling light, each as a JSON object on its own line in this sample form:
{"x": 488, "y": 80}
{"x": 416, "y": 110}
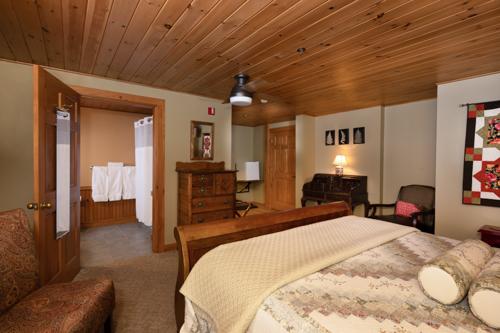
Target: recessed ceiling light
{"x": 263, "y": 101}
{"x": 301, "y": 50}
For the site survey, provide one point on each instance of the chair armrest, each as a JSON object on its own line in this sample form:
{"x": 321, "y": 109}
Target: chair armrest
{"x": 373, "y": 208}
{"x": 423, "y": 213}
{"x": 419, "y": 218}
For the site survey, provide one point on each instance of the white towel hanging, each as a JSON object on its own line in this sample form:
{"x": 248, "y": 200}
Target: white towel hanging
{"x": 128, "y": 178}
{"x": 115, "y": 183}
{"x": 100, "y": 183}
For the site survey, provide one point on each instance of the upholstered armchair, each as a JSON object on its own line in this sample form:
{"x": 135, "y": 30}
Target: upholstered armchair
{"x": 413, "y": 207}
{"x": 25, "y": 307}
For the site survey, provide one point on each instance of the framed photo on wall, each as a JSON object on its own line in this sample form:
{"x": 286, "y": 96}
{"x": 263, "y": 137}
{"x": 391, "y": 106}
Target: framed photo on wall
{"x": 344, "y": 136}
{"x": 330, "y": 138}
{"x": 358, "y": 135}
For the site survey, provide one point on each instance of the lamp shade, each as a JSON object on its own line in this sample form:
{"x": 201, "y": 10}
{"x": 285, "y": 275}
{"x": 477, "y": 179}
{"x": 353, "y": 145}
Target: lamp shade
{"x": 340, "y": 160}
{"x": 249, "y": 172}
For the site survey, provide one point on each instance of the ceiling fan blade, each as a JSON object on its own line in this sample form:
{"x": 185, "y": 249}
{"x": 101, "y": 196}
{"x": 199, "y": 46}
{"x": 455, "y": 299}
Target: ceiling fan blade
{"x": 269, "y": 98}
{"x": 255, "y": 85}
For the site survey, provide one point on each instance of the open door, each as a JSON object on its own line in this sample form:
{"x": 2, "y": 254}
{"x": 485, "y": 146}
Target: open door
{"x": 58, "y": 253}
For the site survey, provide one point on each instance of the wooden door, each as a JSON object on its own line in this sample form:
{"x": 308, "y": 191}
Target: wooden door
{"x": 59, "y": 258}
{"x": 280, "y": 168}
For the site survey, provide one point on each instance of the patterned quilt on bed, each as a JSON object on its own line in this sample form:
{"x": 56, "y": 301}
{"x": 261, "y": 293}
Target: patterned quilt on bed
{"x": 375, "y": 291}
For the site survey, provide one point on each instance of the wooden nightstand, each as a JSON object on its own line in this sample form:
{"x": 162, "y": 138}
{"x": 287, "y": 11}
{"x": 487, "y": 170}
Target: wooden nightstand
{"x": 490, "y": 234}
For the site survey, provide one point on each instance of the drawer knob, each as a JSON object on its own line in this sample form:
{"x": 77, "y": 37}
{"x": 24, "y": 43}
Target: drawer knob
{"x": 202, "y": 190}
{"x": 201, "y": 204}
{"x": 227, "y": 202}
{"x": 200, "y": 220}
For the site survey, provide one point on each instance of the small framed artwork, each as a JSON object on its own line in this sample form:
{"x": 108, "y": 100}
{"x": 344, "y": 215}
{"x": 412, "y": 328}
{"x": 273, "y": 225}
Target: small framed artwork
{"x": 358, "y": 135}
{"x": 344, "y": 136}
{"x": 330, "y": 138}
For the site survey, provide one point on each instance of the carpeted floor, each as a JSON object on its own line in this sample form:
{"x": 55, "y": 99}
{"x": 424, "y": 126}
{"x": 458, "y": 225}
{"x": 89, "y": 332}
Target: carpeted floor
{"x": 144, "y": 292}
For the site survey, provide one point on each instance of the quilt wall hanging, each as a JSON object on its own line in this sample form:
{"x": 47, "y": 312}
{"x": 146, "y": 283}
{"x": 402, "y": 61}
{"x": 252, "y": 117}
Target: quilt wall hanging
{"x": 481, "y": 181}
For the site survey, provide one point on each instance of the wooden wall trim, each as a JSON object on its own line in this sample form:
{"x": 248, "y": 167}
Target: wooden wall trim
{"x": 98, "y": 214}
{"x": 158, "y": 106}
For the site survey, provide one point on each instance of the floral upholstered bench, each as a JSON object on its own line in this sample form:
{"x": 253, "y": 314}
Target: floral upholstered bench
{"x": 83, "y": 306}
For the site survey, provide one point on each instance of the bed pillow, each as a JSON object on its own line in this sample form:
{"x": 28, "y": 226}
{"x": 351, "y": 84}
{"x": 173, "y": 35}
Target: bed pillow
{"x": 484, "y": 293}
{"x": 447, "y": 278}
{"x": 405, "y": 209}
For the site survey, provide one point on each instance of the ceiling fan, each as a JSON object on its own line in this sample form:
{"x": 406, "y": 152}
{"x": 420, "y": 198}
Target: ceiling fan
{"x": 243, "y": 91}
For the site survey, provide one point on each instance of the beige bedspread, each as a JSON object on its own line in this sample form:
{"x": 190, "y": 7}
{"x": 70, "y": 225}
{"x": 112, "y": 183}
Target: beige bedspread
{"x": 230, "y": 282}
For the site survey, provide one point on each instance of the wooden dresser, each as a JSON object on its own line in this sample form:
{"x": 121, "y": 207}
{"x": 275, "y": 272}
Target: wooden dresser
{"x": 206, "y": 192}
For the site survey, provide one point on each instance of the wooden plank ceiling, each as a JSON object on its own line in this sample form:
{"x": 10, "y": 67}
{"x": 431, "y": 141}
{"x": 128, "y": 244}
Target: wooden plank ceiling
{"x": 357, "y": 53}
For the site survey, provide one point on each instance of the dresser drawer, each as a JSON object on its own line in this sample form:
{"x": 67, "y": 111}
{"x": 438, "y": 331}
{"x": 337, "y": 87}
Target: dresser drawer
{"x": 212, "y": 203}
{"x": 202, "y": 191}
{"x": 212, "y": 216}
{"x": 203, "y": 180}
{"x": 224, "y": 183}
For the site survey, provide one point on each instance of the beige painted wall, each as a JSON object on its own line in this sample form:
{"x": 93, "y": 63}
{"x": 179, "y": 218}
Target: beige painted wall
{"x": 16, "y": 136}
{"x": 409, "y": 146}
{"x": 305, "y": 148}
{"x": 100, "y": 145}
{"x": 453, "y": 219}
{"x": 248, "y": 144}
{"x": 180, "y": 110}
{"x": 362, "y": 159}
{"x": 242, "y": 151}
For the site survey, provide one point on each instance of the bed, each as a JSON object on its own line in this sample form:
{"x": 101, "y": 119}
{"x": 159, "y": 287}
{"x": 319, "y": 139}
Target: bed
{"x": 374, "y": 290}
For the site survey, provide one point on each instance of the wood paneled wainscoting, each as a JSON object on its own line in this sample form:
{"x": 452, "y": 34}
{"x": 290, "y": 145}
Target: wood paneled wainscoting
{"x": 96, "y": 214}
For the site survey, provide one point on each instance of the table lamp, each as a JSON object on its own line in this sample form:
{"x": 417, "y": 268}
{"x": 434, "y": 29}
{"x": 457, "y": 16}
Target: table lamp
{"x": 339, "y": 162}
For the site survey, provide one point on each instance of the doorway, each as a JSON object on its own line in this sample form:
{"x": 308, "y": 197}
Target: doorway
{"x": 280, "y": 168}
{"x": 134, "y": 104}
{"x": 59, "y": 252}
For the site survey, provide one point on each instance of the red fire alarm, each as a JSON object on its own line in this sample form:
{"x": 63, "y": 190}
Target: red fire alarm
{"x": 211, "y": 111}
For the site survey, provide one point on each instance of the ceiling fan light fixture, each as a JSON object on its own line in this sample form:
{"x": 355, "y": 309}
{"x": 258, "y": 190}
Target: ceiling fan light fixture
{"x": 240, "y": 96}
{"x": 240, "y": 100}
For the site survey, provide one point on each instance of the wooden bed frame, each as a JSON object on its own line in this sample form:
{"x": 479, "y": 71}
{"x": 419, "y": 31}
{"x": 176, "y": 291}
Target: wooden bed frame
{"x": 193, "y": 241}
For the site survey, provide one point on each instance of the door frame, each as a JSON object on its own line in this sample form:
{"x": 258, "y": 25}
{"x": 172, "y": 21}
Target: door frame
{"x": 158, "y": 106}
{"x": 267, "y": 176}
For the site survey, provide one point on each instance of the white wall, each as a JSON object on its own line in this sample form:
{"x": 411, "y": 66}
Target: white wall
{"x": 453, "y": 219}
{"x": 362, "y": 159}
{"x": 409, "y": 146}
{"x": 180, "y": 109}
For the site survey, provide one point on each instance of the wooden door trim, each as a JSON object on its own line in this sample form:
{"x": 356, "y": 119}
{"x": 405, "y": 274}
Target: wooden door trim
{"x": 267, "y": 189}
{"x": 158, "y": 106}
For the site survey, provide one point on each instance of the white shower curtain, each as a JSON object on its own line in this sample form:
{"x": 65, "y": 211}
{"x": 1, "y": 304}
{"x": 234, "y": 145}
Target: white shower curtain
{"x": 144, "y": 170}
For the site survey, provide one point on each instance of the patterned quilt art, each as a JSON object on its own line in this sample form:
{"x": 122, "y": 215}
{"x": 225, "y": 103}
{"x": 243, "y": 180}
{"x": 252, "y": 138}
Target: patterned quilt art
{"x": 481, "y": 181}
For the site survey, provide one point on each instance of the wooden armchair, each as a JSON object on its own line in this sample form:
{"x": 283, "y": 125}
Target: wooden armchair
{"x": 421, "y": 197}
{"x": 83, "y": 306}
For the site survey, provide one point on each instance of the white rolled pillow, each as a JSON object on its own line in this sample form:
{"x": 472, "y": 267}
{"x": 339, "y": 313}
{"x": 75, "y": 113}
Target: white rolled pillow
{"x": 484, "y": 293}
{"x": 447, "y": 278}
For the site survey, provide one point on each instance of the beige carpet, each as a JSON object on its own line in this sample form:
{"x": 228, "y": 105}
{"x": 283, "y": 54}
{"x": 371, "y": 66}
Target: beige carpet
{"x": 144, "y": 292}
